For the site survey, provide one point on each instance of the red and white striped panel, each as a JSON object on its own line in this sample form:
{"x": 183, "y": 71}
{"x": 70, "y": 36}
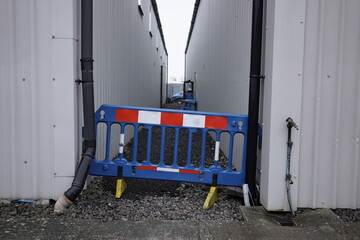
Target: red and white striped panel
{"x": 162, "y": 169}
{"x": 172, "y": 119}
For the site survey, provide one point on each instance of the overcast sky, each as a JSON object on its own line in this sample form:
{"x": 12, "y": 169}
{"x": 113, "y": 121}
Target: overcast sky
{"x": 175, "y": 16}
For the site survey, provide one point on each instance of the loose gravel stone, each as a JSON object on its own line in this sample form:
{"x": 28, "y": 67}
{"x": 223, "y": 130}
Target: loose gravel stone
{"x": 348, "y": 215}
{"x": 152, "y": 200}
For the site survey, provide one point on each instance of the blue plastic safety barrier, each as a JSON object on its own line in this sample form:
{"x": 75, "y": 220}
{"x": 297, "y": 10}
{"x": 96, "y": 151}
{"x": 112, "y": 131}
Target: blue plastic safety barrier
{"x": 176, "y": 119}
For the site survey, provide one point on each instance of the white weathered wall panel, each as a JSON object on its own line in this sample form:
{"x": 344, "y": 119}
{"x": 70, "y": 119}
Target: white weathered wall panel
{"x": 329, "y": 157}
{"x": 31, "y": 137}
{"x": 325, "y": 57}
{"x": 219, "y": 54}
{"x": 312, "y": 62}
{"x": 282, "y": 99}
{"x": 126, "y": 62}
{"x": 40, "y": 140}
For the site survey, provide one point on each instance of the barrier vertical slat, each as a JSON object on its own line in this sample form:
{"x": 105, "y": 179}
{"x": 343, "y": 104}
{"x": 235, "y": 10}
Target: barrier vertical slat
{"x": 162, "y": 148}
{"x": 203, "y": 149}
{"x": 188, "y": 162}
{"x": 122, "y": 141}
{"x": 243, "y": 160}
{"x": 217, "y": 149}
{"x": 230, "y": 153}
{"x": 176, "y": 148}
{"x": 148, "y": 145}
{"x": 108, "y": 138}
{"x": 136, "y": 140}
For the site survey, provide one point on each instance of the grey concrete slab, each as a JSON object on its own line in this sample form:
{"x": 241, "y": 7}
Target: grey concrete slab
{"x": 259, "y": 224}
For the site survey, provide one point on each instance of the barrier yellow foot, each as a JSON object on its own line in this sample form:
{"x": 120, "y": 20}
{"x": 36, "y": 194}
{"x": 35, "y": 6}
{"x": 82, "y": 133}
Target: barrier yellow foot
{"x": 120, "y": 187}
{"x": 211, "y": 198}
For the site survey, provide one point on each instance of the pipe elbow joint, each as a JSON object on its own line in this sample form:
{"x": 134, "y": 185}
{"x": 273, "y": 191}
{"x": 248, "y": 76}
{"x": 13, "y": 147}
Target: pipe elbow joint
{"x": 74, "y": 191}
{"x": 90, "y": 152}
{"x": 62, "y": 204}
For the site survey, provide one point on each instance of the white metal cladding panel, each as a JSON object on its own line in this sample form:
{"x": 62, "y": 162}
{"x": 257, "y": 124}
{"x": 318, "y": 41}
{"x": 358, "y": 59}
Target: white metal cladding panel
{"x": 36, "y": 75}
{"x": 126, "y": 62}
{"x": 329, "y": 174}
{"x": 282, "y": 98}
{"x": 219, "y": 54}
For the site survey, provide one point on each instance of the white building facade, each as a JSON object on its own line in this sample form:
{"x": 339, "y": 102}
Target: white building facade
{"x": 311, "y": 62}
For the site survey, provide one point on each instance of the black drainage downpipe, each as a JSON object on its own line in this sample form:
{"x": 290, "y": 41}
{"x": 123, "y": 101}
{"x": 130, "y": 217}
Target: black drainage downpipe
{"x": 88, "y": 108}
{"x": 254, "y": 93}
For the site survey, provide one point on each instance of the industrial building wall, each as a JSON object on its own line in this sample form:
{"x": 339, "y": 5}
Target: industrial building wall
{"x": 41, "y": 105}
{"x": 127, "y": 59}
{"x": 329, "y": 167}
{"x": 219, "y": 54}
{"x": 312, "y": 75}
{"x": 218, "y": 60}
{"x": 38, "y": 67}
{"x": 311, "y": 66}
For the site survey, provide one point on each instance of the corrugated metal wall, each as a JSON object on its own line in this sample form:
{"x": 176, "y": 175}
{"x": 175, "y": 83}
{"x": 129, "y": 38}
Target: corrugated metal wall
{"x": 329, "y": 167}
{"x": 40, "y": 140}
{"x": 312, "y": 62}
{"x": 38, "y": 68}
{"x": 219, "y": 54}
{"x": 127, "y": 59}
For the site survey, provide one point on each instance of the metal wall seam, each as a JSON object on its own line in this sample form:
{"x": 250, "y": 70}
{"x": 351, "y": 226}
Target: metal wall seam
{"x": 356, "y": 191}
{"x": 339, "y": 70}
{"x": 317, "y": 112}
{"x": 34, "y": 101}
{"x": 354, "y": 42}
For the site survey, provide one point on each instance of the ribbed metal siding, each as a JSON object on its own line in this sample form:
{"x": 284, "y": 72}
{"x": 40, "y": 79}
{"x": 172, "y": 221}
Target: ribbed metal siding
{"x": 37, "y": 73}
{"x": 41, "y": 115}
{"x": 329, "y": 167}
{"x": 330, "y": 111}
{"x": 219, "y": 54}
{"x": 127, "y": 64}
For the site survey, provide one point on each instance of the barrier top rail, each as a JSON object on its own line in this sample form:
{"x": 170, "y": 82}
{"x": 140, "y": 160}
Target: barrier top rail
{"x": 175, "y": 119}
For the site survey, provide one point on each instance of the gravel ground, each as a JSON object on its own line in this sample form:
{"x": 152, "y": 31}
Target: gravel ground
{"x": 146, "y": 199}
{"x": 348, "y": 215}
{"x": 142, "y": 200}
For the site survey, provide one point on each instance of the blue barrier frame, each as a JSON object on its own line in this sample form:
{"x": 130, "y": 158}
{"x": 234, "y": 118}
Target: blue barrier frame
{"x": 214, "y": 174}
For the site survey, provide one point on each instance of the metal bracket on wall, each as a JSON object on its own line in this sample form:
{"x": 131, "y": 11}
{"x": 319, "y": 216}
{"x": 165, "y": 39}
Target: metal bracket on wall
{"x": 78, "y": 81}
{"x": 257, "y": 76}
